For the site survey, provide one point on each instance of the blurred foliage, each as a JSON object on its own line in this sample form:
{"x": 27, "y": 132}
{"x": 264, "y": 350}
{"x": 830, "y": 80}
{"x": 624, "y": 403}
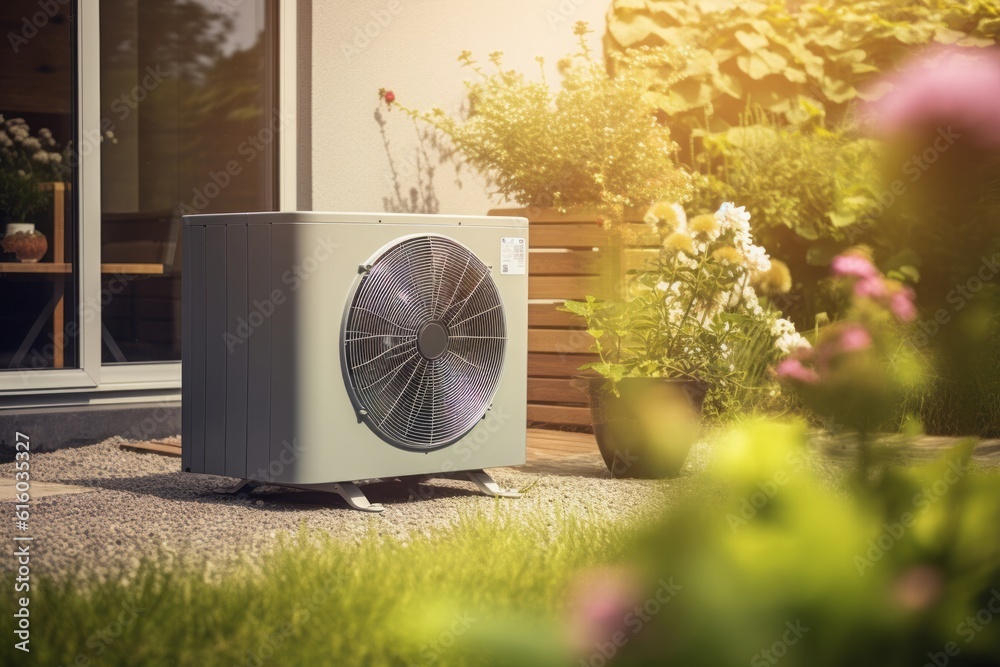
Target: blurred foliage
{"x": 773, "y": 561}
{"x": 863, "y": 373}
{"x": 883, "y": 577}
{"x": 815, "y": 181}
{"x": 776, "y": 54}
{"x": 950, "y": 221}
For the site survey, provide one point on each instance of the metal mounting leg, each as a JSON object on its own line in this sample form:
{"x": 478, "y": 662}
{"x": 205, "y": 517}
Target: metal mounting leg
{"x": 355, "y": 497}
{"x": 485, "y": 483}
{"x": 482, "y": 479}
{"x": 242, "y": 486}
{"x": 349, "y": 491}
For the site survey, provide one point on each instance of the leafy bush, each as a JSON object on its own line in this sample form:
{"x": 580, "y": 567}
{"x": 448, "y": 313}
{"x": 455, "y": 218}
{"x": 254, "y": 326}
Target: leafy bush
{"x": 814, "y": 181}
{"x": 811, "y": 191}
{"x": 775, "y": 54}
{"x": 593, "y": 141}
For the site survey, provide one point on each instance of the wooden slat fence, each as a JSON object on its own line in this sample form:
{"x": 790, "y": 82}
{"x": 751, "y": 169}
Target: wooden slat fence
{"x": 570, "y": 256}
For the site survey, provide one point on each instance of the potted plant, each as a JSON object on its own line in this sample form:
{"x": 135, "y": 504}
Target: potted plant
{"x": 690, "y": 326}
{"x": 593, "y": 144}
{"x": 26, "y": 161}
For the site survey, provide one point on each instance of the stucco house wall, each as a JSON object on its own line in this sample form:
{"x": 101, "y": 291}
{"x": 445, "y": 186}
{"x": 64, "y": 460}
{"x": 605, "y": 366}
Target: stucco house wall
{"x": 411, "y": 47}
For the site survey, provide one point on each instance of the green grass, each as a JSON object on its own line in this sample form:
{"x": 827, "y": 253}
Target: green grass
{"x": 493, "y": 589}
{"x": 317, "y": 601}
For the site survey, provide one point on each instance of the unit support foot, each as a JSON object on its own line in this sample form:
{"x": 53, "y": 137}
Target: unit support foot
{"x": 482, "y": 479}
{"x": 487, "y": 485}
{"x": 355, "y": 497}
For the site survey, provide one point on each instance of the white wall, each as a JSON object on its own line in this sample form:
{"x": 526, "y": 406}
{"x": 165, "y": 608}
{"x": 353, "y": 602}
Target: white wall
{"x": 414, "y": 53}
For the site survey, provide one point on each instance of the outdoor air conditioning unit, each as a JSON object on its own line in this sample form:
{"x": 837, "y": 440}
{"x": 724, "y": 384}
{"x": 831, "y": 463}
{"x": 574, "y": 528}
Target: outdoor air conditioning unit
{"x": 324, "y": 348}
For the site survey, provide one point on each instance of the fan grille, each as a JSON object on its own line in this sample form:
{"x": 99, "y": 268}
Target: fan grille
{"x": 424, "y": 343}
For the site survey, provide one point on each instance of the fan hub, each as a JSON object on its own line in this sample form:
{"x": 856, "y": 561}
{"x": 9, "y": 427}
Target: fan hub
{"x": 432, "y": 340}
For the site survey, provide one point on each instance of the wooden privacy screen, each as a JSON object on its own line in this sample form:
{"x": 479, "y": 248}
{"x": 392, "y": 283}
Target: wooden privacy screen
{"x": 571, "y": 256}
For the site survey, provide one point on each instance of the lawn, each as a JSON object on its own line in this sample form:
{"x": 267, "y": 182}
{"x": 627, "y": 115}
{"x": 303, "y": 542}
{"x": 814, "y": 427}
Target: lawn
{"x": 317, "y": 600}
{"x": 775, "y": 531}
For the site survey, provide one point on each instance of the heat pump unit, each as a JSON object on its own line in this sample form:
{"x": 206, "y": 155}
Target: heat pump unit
{"x": 320, "y": 349}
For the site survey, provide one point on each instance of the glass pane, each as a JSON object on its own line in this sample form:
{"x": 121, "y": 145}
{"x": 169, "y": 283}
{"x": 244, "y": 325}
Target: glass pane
{"x": 38, "y": 220}
{"x": 188, "y": 100}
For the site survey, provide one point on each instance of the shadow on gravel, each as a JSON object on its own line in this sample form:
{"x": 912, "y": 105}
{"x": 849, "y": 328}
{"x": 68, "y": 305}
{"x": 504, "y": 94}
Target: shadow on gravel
{"x": 187, "y": 487}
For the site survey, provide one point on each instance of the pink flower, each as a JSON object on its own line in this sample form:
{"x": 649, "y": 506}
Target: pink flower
{"x": 873, "y": 287}
{"x": 901, "y": 305}
{"x": 850, "y": 264}
{"x": 600, "y": 602}
{"x": 792, "y": 369}
{"x": 854, "y": 337}
{"x": 944, "y": 87}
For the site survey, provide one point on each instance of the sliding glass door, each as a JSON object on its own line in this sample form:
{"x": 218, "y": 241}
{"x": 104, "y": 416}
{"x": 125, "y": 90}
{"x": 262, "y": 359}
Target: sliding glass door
{"x": 119, "y": 117}
{"x": 188, "y": 97}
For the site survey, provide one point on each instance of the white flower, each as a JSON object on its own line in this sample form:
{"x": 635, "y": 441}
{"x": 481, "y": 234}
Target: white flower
{"x": 682, "y": 218}
{"x": 731, "y": 215}
{"x": 756, "y": 259}
{"x": 780, "y": 327}
{"x": 787, "y": 339}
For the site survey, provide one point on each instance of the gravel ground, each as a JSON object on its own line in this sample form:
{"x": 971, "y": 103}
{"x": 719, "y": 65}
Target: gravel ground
{"x": 143, "y": 505}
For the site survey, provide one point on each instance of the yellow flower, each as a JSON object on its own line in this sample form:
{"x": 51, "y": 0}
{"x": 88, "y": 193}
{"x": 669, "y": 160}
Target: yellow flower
{"x": 704, "y": 224}
{"x": 776, "y": 280}
{"x": 663, "y": 217}
{"x": 679, "y": 241}
{"x": 728, "y": 254}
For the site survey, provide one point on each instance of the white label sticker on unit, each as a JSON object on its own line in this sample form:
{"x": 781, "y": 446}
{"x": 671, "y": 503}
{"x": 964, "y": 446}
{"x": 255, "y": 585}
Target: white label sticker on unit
{"x": 513, "y": 255}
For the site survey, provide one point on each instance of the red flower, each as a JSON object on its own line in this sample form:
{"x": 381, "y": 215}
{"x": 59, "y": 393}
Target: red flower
{"x": 389, "y": 97}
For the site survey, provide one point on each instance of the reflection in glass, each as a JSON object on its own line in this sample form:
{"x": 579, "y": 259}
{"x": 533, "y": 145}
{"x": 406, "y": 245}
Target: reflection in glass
{"x": 190, "y": 118}
{"x": 38, "y": 158}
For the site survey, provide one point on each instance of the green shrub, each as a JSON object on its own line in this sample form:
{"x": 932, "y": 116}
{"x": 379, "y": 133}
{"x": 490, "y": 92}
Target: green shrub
{"x": 810, "y": 190}
{"x": 774, "y": 54}
{"x": 593, "y": 141}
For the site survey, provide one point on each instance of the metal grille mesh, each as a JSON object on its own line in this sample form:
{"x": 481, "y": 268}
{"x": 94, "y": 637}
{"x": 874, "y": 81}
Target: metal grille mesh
{"x": 407, "y": 398}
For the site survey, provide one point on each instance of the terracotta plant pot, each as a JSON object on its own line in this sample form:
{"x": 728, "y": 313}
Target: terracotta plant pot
{"x": 647, "y": 431}
{"x": 27, "y": 246}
